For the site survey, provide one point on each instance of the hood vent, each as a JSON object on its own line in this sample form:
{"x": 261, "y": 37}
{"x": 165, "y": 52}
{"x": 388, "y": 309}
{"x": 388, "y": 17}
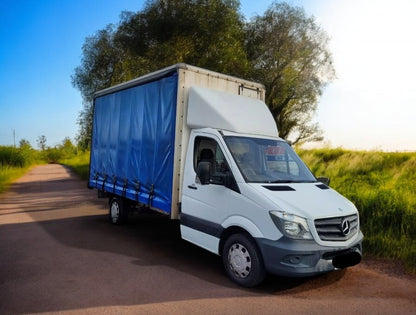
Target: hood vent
{"x": 322, "y": 186}
{"x": 279, "y": 188}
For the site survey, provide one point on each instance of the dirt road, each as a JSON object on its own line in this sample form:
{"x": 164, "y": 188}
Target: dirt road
{"x": 58, "y": 253}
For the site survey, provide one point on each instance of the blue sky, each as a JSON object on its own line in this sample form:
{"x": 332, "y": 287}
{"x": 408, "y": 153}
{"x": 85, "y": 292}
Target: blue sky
{"x": 41, "y": 46}
{"x": 371, "y": 104}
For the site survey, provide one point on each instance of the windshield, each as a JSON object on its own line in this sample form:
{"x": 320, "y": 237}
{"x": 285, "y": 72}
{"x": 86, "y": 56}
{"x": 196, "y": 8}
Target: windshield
{"x": 268, "y": 161}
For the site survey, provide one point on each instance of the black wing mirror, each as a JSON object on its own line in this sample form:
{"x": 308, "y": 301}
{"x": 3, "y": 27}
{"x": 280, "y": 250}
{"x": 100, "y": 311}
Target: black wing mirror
{"x": 324, "y": 180}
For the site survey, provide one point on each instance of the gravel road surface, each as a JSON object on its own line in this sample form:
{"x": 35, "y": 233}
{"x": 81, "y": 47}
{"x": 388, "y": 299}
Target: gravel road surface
{"x": 59, "y": 254}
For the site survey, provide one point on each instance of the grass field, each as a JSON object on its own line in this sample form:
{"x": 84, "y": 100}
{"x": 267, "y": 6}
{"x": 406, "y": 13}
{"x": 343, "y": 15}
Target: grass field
{"x": 383, "y": 187}
{"x": 8, "y": 174}
{"x": 14, "y": 162}
{"x": 79, "y": 163}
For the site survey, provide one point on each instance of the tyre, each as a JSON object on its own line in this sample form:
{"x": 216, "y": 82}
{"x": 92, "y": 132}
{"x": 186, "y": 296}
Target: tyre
{"x": 242, "y": 260}
{"x": 118, "y": 211}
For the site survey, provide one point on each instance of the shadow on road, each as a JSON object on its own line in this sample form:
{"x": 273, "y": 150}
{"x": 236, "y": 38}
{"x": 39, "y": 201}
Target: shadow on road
{"x": 153, "y": 240}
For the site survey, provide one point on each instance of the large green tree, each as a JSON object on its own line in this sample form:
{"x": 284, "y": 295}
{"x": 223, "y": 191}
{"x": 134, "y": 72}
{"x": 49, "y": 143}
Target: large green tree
{"x": 205, "y": 33}
{"x": 101, "y": 59}
{"x": 289, "y": 55}
{"x": 283, "y": 49}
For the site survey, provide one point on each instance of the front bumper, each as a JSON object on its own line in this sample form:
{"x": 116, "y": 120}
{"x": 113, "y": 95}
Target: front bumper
{"x": 301, "y": 258}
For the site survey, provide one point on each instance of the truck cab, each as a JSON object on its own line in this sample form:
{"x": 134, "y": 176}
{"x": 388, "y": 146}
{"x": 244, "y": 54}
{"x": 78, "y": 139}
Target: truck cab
{"x": 249, "y": 198}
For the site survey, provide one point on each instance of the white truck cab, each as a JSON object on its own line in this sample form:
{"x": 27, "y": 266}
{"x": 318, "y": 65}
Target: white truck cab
{"x": 254, "y": 187}
{"x": 259, "y": 191}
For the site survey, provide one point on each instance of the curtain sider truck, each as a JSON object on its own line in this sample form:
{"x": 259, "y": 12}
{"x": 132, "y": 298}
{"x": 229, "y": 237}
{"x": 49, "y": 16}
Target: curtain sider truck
{"x": 203, "y": 148}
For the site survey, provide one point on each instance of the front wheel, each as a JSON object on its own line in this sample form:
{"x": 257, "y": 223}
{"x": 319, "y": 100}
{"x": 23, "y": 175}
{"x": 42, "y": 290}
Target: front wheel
{"x": 242, "y": 260}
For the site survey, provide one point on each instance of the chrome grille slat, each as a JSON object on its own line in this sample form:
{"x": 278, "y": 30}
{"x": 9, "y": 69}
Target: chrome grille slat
{"x": 330, "y": 229}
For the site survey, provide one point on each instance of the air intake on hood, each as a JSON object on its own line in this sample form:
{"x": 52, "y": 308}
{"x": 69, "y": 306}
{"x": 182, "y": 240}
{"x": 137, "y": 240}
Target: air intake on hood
{"x": 322, "y": 186}
{"x": 279, "y": 188}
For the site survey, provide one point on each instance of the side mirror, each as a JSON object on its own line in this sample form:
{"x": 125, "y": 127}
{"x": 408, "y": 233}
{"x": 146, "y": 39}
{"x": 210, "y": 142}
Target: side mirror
{"x": 324, "y": 180}
{"x": 203, "y": 171}
{"x": 230, "y": 182}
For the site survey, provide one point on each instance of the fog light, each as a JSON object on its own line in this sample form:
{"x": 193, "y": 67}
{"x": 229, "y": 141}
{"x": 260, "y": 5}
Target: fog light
{"x": 294, "y": 260}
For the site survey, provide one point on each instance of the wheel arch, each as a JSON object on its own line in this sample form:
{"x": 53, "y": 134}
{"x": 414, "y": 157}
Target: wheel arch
{"x": 237, "y": 224}
{"x": 227, "y": 233}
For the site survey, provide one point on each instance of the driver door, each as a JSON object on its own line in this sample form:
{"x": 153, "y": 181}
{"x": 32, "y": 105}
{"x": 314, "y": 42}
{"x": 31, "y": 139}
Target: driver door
{"x": 206, "y": 206}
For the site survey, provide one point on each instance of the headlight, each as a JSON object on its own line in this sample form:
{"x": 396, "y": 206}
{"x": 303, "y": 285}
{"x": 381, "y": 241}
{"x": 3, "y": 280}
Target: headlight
{"x": 291, "y": 225}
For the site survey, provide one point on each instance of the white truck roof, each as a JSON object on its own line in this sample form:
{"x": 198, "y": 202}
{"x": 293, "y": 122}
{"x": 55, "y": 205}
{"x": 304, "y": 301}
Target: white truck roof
{"x": 226, "y": 111}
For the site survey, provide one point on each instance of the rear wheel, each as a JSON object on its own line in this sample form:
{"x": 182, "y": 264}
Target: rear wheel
{"x": 118, "y": 211}
{"x": 242, "y": 260}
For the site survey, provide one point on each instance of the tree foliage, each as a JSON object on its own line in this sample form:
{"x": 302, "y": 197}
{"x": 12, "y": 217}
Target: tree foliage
{"x": 283, "y": 49}
{"x": 207, "y": 33}
{"x": 289, "y": 55}
{"x": 23, "y": 143}
{"x": 41, "y": 141}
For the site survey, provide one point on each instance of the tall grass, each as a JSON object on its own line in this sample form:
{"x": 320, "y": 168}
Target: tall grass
{"x": 14, "y": 162}
{"x": 79, "y": 163}
{"x": 383, "y": 187}
{"x": 17, "y": 157}
{"x": 8, "y": 174}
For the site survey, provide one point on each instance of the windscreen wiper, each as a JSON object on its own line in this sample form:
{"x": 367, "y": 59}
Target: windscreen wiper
{"x": 288, "y": 181}
{"x": 283, "y": 181}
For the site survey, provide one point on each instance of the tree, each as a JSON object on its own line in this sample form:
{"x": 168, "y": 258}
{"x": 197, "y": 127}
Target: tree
{"x": 205, "y": 33}
{"x": 100, "y": 59}
{"x": 24, "y": 144}
{"x": 41, "y": 141}
{"x": 67, "y": 148}
{"x": 289, "y": 55}
{"x": 283, "y": 49}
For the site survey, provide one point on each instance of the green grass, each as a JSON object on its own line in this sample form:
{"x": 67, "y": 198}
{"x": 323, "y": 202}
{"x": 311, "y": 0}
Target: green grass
{"x": 14, "y": 162}
{"x": 79, "y": 163}
{"x": 383, "y": 187}
{"x": 8, "y": 174}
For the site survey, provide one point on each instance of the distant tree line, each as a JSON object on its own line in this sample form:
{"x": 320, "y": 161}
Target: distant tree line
{"x": 25, "y": 155}
{"x": 283, "y": 49}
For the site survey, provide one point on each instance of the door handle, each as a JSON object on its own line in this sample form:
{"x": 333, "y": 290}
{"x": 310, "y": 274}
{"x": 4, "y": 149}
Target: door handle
{"x": 192, "y": 187}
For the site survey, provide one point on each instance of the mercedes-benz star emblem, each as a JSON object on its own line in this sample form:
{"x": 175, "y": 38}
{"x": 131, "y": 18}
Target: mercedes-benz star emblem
{"x": 345, "y": 227}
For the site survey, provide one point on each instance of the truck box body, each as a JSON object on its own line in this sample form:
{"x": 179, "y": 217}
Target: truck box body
{"x": 140, "y": 130}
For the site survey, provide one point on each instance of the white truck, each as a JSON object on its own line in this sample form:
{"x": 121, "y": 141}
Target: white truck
{"x": 203, "y": 148}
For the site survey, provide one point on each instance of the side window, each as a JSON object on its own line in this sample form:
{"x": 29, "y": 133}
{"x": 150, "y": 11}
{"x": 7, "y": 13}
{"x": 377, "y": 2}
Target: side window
{"x": 208, "y": 150}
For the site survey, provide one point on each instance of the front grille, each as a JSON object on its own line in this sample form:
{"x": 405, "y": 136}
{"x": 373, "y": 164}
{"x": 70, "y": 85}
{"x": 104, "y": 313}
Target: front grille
{"x": 335, "y": 229}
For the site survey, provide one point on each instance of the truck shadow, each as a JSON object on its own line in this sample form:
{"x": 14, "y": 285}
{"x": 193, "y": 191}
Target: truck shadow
{"x": 154, "y": 240}
{"x": 192, "y": 259}
{"x": 86, "y": 262}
